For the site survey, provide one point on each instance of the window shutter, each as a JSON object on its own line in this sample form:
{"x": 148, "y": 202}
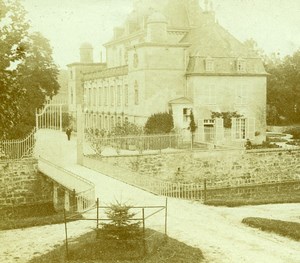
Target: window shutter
{"x": 233, "y": 128}
{"x": 200, "y": 129}
{"x": 251, "y": 128}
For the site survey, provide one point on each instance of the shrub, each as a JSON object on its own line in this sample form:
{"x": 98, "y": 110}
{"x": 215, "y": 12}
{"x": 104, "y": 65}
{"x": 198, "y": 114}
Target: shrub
{"x": 121, "y": 226}
{"x": 159, "y": 123}
{"x": 126, "y": 129}
{"x": 295, "y": 132}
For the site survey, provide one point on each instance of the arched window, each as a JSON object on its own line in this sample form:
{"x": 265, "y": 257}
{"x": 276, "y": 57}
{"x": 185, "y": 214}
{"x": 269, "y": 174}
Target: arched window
{"x": 100, "y": 96}
{"x": 119, "y": 95}
{"x": 126, "y": 95}
{"x": 112, "y": 95}
{"x": 95, "y": 97}
{"x": 106, "y": 96}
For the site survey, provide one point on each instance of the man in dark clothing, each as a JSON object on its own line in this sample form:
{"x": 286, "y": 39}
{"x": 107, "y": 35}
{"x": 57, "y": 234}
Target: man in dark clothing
{"x": 68, "y": 132}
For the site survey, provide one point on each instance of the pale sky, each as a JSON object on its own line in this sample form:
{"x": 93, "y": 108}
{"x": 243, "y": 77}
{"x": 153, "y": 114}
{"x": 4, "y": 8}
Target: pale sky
{"x": 273, "y": 24}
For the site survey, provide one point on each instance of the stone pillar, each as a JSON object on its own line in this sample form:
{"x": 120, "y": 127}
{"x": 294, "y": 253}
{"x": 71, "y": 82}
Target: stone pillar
{"x": 80, "y": 134}
{"x": 55, "y": 196}
{"x": 67, "y": 200}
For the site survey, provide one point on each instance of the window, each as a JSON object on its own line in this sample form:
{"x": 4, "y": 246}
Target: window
{"x": 112, "y": 122}
{"x": 241, "y": 65}
{"x": 100, "y": 96}
{"x": 240, "y": 129}
{"x": 105, "y": 96}
{"x": 136, "y": 93}
{"x": 135, "y": 60}
{"x": 209, "y": 65}
{"x": 112, "y": 95}
{"x": 126, "y": 57}
{"x": 95, "y": 97}
{"x": 186, "y": 114}
{"x": 106, "y": 124}
{"x": 90, "y": 97}
{"x": 72, "y": 95}
{"x": 241, "y": 95}
{"x": 126, "y": 95}
{"x": 119, "y": 95}
{"x": 100, "y": 122}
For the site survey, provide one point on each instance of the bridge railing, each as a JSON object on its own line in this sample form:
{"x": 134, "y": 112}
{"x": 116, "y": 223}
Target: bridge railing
{"x": 84, "y": 189}
{"x": 18, "y": 149}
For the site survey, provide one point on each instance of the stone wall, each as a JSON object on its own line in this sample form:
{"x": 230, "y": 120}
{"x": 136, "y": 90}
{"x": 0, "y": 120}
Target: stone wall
{"x": 21, "y": 183}
{"x": 220, "y": 168}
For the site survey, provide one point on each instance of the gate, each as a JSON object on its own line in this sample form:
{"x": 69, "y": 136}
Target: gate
{"x": 51, "y": 116}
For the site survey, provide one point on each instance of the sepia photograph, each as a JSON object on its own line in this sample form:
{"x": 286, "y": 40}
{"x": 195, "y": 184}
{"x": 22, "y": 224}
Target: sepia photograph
{"x": 149, "y": 131}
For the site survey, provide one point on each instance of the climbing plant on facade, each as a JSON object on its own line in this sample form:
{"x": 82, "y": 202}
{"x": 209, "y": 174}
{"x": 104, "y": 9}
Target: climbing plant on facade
{"x": 226, "y": 116}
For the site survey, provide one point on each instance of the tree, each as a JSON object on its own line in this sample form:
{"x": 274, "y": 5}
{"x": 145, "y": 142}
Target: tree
{"x": 13, "y": 31}
{"x": 121, "y": 225}
{"x": 192, "y": 126}
{"x": 283, "y": 90}
{"x": 159, "y": 123}
{"x": 28, "y": 75}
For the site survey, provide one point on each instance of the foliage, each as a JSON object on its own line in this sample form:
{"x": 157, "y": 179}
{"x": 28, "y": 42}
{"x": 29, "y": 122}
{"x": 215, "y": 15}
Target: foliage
{"x": 226, "y": 116}
{"x": 126, "y": 129}
{"x": 265, "y": 145}
{"x": 121, "y": 226}
{"x": 283, "y": 90}
{"x": 28, "y": 75}
{"x": 295, "y": 132}
{"x": 192, "y": 126}
{"x": 283, "y": 228}
{"x": 159, "y": 123}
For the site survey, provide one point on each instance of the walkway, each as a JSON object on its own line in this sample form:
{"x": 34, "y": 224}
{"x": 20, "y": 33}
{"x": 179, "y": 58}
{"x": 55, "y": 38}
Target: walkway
{"x": 218, "y": 232}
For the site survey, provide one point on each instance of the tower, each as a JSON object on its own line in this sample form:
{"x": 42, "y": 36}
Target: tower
{"x": 86, "y": 53}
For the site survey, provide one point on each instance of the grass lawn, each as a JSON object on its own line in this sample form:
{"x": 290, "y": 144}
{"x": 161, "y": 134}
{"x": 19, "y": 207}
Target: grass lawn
{"x": 87, "y": 249}
{"x": 6, "y": 224}
{"x": 241, "y": 202}
{"x": 283, "y": 228}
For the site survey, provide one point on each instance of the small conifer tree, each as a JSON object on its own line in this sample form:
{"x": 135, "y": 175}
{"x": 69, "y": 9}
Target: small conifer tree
{"x": 121, "y": 226}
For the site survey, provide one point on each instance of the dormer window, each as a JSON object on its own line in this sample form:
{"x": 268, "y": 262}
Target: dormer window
{"x": 209, "y": 65}
{"x": 241, "y": 65}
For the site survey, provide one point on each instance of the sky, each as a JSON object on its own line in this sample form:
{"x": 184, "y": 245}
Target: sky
{"x": 273, "y": 24}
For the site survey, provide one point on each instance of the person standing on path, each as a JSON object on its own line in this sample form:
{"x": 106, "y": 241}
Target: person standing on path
{"x": 68, "y": 132}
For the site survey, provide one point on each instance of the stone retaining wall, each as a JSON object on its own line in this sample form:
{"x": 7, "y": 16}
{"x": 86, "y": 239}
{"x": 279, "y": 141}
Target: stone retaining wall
{"x": 220, "y": 168}
{"x": 21, "y": 183}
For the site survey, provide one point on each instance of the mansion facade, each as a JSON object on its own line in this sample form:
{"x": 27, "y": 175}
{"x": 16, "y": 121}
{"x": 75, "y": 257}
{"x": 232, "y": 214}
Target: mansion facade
{"x": 172, "y": 56}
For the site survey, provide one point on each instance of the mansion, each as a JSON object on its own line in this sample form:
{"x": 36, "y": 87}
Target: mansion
{"x": 172, "y": 56}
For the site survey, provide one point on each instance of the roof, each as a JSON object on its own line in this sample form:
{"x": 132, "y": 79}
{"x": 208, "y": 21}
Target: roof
{"x": 225, "y": 66}
{"x": 210, "y": 39}
{"x": 181, "y": 100}
{"x": 106, "y": 73}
